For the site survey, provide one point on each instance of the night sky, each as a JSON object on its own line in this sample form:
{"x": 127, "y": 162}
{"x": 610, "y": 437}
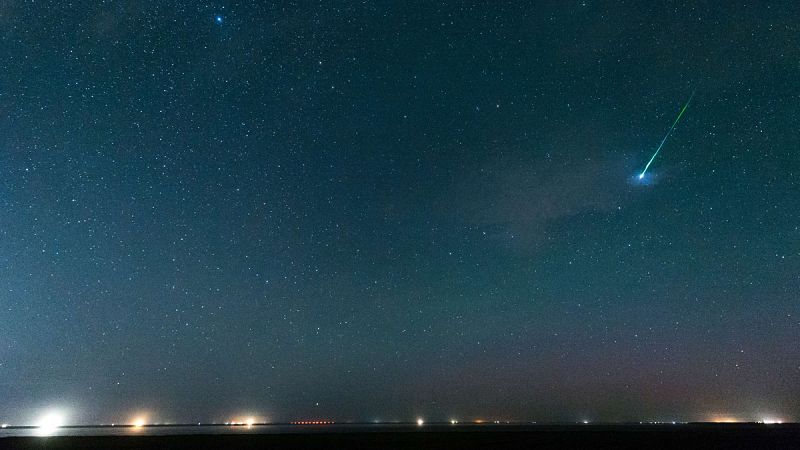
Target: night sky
{"x": 388, "y": 210}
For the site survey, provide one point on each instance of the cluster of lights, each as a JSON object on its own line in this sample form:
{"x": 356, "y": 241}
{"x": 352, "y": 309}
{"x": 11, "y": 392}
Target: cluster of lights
{"x": 771, "y": 421}
{"x": 249, "y": 422}
{"x": 139, "y": 422}
{"x": 421, "y": 422}
{"x": 50, "y": 423}
{"x": 724, "y": 419}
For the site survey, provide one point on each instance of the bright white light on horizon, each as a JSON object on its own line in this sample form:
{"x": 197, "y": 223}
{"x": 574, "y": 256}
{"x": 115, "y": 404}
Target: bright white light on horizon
{"x": 771, "y": 421}
{"x": 49, "y": 424}
{"x": 420, "y": 422}
{"x": 139, "y": 422}
{"x": 5, "y": 425}
{"x": 248, "y": 421}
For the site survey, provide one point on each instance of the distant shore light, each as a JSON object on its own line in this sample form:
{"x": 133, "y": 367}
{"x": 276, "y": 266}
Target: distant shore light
{"x": 771, "y": 421}
{"x": 50, "y": 423}
{"x": 420, "y": 422}
{"x": 724, "y": 419}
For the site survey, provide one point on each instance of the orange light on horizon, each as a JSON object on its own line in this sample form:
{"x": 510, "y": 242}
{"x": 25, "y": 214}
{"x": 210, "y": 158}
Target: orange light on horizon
{"x": 724, "y": 419}
{"x": 248, "y": 422}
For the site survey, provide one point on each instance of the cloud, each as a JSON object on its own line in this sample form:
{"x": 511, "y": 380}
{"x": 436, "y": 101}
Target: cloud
{"x": 520, "y": 203}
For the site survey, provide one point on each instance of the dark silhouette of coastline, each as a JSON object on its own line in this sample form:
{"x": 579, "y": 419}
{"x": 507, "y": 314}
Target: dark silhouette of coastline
{"x": 681, "y": 436}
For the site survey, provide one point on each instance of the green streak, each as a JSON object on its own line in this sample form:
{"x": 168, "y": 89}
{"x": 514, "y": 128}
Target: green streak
{"x": 677, "y": 119}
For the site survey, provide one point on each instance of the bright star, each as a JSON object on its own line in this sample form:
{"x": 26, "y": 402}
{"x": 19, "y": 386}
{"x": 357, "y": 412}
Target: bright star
{"x": 218, "y": 19}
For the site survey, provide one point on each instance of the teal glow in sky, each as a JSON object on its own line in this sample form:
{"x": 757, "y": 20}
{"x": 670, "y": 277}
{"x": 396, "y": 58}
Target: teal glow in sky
{"x": 349, "y": 210}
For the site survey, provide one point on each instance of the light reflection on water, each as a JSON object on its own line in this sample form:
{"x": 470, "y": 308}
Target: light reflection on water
{"x": 196, "y": 429}
{"x": 145, "y": 430}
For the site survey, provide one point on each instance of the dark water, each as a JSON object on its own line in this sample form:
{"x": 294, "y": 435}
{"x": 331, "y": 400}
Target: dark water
{"x": 411, "y": 436}
{"x": 221, "y": 429}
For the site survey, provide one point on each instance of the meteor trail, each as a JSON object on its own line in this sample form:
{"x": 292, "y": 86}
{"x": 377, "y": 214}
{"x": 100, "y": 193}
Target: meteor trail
{"x": 641, "y": 175}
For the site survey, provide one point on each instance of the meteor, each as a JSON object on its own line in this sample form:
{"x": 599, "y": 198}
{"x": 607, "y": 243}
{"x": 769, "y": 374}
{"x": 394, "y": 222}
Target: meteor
{"x": 680, "y": 114}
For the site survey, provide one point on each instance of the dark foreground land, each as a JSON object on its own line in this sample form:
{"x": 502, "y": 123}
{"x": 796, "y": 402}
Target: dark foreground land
{"x": 739, "y": 436}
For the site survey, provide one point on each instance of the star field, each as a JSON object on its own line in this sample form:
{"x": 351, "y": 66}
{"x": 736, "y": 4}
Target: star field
{"x": 385, "y": 210}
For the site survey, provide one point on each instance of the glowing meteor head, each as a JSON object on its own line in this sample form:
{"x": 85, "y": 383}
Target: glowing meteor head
{"x": 641, "y": 175}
